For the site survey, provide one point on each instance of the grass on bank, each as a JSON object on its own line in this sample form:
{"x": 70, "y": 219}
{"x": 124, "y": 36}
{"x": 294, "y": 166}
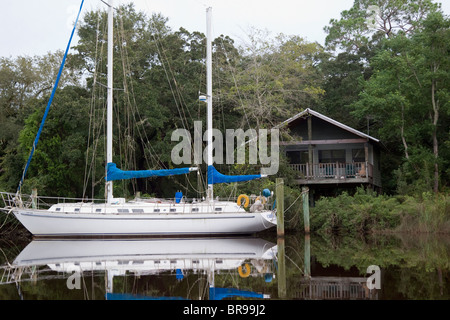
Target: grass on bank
{"x": 366, "y": 211}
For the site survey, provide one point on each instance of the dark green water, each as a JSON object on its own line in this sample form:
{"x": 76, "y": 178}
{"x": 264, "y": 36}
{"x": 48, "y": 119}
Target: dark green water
{"x": 410, "y": 268}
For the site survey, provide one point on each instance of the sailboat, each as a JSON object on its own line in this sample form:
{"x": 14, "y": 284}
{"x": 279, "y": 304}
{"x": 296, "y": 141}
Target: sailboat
{"x": 154, "y": 217}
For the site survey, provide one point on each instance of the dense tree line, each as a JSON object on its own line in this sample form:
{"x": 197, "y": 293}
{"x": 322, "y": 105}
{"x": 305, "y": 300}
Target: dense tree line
{"x": 385, "y": 73}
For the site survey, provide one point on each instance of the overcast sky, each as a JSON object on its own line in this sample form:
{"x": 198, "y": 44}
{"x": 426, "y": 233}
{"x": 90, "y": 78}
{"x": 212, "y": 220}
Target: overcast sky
{"x": 34, "y": 27}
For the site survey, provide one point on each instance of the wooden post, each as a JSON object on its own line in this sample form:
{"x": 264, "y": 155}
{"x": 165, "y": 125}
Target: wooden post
{"x": 307, "y": 255}
{"x": 280, "y": 206}
{"x": 310, "y": 150}
{"x": 281, "y": 274}
{"x": 34, "y": 198}
{"x": 366, "y": 158}
{"x": 305, "y": 199}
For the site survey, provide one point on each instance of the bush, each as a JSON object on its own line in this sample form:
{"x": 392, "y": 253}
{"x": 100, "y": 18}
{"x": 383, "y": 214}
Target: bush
{"x": 369, "y": 212}
{"x": 361, "y": 213}
{"x": 427, "y": 213}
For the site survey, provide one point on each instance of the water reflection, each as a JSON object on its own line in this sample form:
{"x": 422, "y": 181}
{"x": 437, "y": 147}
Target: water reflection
{"x": 76, "y": 260}
{"x": 296, "y": 267}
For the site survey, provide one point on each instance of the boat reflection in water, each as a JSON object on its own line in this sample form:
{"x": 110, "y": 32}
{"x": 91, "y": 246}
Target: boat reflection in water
{"x": 148, "y": 257}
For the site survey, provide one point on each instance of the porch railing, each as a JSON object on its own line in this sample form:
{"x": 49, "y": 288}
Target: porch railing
{"x": 335, "y": 170}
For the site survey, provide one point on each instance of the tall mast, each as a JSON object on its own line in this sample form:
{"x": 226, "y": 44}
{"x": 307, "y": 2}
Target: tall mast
{"x": 210, "y": 191}
{"x": 109, "y": 117}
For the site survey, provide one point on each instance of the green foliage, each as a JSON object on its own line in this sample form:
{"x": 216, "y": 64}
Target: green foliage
{"x": 363, "y": 212}
{"x": 428, "y": 213}
{"x": 58, "y": 163}
{"x": 390, "y": 80}
{"x": 367, "y": 212}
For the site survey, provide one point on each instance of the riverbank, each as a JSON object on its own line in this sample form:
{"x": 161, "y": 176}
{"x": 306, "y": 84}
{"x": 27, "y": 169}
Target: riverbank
{"x": 367, "y": 212}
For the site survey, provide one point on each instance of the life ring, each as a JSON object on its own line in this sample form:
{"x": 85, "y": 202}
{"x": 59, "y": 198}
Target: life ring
{"x": 245, "y": 197}
{"x": 247, "y": 271}
{"x": 262, "y": 199}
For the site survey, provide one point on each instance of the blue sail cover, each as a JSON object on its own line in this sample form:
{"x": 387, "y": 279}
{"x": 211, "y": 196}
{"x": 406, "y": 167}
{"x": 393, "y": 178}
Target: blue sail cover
{"x": 129, "y": 296}
{"x": 222, "y": 293}
{"x": 113, "y": 173}
{"x": 215, "y": 176}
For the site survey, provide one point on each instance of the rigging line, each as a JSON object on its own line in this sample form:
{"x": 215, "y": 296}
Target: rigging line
{"x": 47, "y": 109}
{"x": 91, "y": 112}
{"x": 235, "y": 82}
{"x": 154, "y": 155}
{"x": 162, "y": 53}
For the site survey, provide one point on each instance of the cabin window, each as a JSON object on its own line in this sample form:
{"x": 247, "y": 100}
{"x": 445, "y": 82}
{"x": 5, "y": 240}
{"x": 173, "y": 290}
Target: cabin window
{"x": 218, "y": 209}
{"x": 331, "y": 156}
{"x": 58, "y": 209}
{"x": 297, "y": 157}
{"x": 156, "y": 210}
{"x": 123, "y": 210}
{"x": 194, "y": 209}
{"x": 98, "y": 210}
{"x": 77, "y": 210}
{"x": 137, "y": 210}
{"x": 173, "y": 210}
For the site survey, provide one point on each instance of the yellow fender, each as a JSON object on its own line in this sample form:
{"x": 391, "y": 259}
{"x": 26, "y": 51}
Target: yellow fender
{"x": 262, "y": 199}
{"x": 247, "y": 271}
{"x": 245, "y": 197}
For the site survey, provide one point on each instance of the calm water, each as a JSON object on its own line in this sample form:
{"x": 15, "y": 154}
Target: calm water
{"x": 298, "y": 267}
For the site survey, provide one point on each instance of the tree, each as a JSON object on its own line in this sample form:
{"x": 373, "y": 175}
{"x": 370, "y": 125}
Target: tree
{"x": 58, "y": 163}
{"x": 274, "y": 79}
{"x": 408, "y": 95}
{"x": 23, "y": 80}
{"x": 370, "y": 17}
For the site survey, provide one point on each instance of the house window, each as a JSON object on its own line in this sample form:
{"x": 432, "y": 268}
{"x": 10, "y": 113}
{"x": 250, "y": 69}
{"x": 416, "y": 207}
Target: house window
{"x": 358, "y": 155}
{"x": 331, "y": 156}
{"x": 297, "y": 157}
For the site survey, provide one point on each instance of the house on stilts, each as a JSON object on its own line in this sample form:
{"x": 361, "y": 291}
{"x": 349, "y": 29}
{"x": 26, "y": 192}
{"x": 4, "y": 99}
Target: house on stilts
{"x": 327, "y": 155}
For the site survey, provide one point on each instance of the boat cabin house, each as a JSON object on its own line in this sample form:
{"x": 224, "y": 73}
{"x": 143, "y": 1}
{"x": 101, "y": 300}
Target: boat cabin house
{"x": 325, "y": 152}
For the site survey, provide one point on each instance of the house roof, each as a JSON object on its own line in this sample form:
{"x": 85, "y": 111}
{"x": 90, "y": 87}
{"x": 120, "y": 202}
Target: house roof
{"x": 309, "y": 111}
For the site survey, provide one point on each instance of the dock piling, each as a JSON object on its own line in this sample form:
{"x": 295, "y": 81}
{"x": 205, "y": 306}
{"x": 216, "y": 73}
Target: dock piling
{"x": 305, "y": 199}
{"x": 280, "y": 206}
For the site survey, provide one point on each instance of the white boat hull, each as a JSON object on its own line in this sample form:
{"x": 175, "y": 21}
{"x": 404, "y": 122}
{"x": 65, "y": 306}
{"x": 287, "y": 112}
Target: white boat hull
{"x": 79, "y": 252}
{"x": 44, "y": 223}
